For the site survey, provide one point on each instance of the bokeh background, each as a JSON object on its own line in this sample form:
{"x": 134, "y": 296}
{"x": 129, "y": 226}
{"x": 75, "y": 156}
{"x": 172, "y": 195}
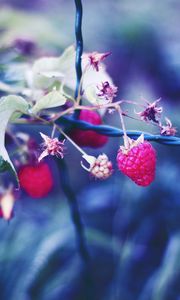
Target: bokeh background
{"x": 132, "y": 233}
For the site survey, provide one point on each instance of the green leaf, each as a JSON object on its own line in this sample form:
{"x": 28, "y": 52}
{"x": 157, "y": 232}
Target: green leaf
{"x": 11, "y": 107}
{"x": 42, "y": 69}
{"x": 48, "y": 70}
{"x": 4, "y": 165}
{"x": 53, "y": 99}
{"x": 92, "y": 95}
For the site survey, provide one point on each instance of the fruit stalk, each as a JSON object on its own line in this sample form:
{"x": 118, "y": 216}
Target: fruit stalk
{"x": 126, "y": 142}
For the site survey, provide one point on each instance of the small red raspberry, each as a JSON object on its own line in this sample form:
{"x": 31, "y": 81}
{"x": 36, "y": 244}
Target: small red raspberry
{"x": 1, "y": 213}
{"x": 89, "y": 138}
{"x": 36, "y": 180}
{"x": 138, "y": 163}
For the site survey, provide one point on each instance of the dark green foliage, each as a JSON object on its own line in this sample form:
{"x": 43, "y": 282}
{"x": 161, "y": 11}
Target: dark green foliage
{"x": 4, "y": 165}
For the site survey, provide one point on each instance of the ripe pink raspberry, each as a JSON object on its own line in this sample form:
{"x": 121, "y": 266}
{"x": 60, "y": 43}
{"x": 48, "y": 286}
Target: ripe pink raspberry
{"x": 89, "y": 138}
{"x": 138, "y": 163}
{"x": 36, "y": 180}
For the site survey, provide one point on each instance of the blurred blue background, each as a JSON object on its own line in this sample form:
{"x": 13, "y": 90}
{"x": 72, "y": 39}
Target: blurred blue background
{"x": 132, "y": 233}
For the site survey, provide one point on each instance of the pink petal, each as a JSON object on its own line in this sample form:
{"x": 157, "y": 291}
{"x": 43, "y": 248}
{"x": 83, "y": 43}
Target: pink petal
{"x": 43, "y": 154}
{"x": 45, "y": 138}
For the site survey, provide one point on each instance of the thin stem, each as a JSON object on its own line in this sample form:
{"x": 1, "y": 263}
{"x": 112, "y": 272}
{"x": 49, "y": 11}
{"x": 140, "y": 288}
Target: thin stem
{"x": 64, "y": 112}
{"x": 53, "y": 131}
{"x": 55, "y": 126}
{"x": 71, "y": 141}
{"x": 78, "y": 106}
{"x": 79, "y": 44}
{"x": 126, "y": 142}
{"x": 79, "y": 227}
{"x": 78, "y": 100}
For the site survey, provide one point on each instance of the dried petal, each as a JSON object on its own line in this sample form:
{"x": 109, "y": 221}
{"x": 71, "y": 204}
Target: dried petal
{"x": 95, "y": 58}
{"x": 51, "y": 146}
{"x": 152, "y": 112}
{"x": 107, "y": 91}
{"x": 168, "y": 129}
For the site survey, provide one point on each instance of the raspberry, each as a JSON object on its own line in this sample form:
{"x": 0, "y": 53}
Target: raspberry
{"x": 36, "y": 180}
{"x": 89, "y": 138}
{"x": 102, "y": 167}
{"x": 138, "y": 163}
{"x": 1, "y": 213}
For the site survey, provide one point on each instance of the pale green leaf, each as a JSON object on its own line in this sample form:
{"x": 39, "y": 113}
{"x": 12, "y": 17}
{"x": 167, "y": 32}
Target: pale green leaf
{"x": 11, "y": 107}
{"x": 67, "y": 60}
{"x": 91, "y": 94}
{"x": 48, "y": 70}
{"x": 52, "y": 99}
{"x": 41, "y": 68}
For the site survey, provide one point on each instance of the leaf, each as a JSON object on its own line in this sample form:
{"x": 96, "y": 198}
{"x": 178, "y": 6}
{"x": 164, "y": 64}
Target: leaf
{"x": 91, "y": 94}
{"x": 53, "y": 74}
{"x": 48, "y": 70}
{"x": 67, "y": 59}
{"x": 11, "y": 107}
{"x": 41, "y": 68}
{"x": 4, "y": 165}
{"x": 53, "y": 99}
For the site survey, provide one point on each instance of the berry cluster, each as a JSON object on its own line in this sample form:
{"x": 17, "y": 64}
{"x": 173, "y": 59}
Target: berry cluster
{"x": 102, "y": 167}
{"x": 136, "y": 158}
{"x": 137, "y": 161}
